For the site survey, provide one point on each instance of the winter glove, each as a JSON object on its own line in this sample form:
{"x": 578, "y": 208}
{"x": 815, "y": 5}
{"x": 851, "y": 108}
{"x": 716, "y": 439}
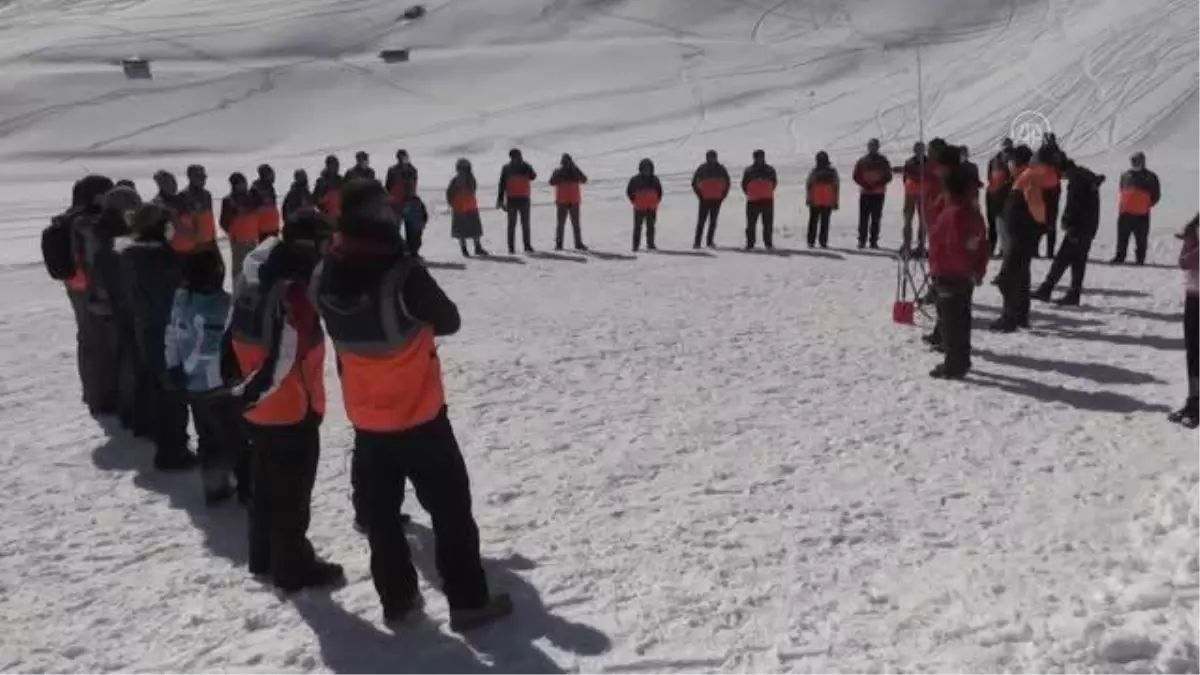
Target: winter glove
{"x": 501, "y": 206}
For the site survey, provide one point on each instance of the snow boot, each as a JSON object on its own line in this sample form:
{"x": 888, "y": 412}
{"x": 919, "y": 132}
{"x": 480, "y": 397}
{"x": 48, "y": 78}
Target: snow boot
{"x": 1004, "y": 325}
{"x": 581, "y": 247}
{"x": 462, "y": 244}
{"x": 1042, "y": 294}
{"x": 1188, "y": 415}
{"x": 943, "y": 373}
{"x": 498, "y": 607}
{"x": 396, "y": 617}
{"x": 480, "y": 250}
{"x": 1071, "y": 299}
{"x": 318, "y": 574}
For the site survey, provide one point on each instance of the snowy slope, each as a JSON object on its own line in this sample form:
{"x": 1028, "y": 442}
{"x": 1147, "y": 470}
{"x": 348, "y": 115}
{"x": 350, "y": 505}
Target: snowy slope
{"x": 680, "y": 462}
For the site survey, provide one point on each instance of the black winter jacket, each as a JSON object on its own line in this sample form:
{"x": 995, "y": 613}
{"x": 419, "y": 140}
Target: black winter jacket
{"x": 568, "y": 174}
{"x": 642, "y": 182}
{"x": 759, "y": 172}
{"x": 297, "y": 198}
{"x": 1081, "y": 216}
{"x": 150, "y": 272}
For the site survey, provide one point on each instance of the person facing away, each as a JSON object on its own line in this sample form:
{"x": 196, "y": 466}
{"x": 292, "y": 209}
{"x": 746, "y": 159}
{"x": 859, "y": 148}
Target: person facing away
{"x": 1189, "y": 261}
{"x": 108, "y": 301}
{"x": 872, "y": 174}
{"x": 401, "y": 180}
{"x": 299, "y": 196}
{"x": 279, "y": 349}
{"x": 758, "y": 184}
{"x": 822, "y": 189}
{"x": 383, "y": 310}
{"x": 1052, "y": 175}
{"x": 328, "y": 190}
{"x": 998, "y": 186}
{"x": 568, "y": 181}
{"x": 1080, "y": 222}
{"x": 268, "y": 202}
{"x": 362, "y": 167}
{"x": 1023, "y": 217}
{"x": 151, "y": 272}
{"x": 958, "y": 258}
{"x": 198, "y": 365}
{"x": 196, "y": 227}
{"x": 710, "y": 183}
{"x": 414, "y": 216}
{"x": 644, "y": 192}
{"x": 1139, "y": 194}
{"x": 913, "y": 171}
{"x": 513, "y": 195}
{"x": 465, "y": 222}
{"x": 241, "y": 214}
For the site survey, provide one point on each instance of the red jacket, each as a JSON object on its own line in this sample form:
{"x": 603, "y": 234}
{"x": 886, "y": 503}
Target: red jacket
{"x": 958, "y": 245}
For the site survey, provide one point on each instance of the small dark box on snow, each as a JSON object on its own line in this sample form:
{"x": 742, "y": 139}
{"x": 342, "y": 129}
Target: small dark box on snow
{"x": 394, "y": 55}
{"x": 136, "y": 68}
{"x": 415, "y": 12}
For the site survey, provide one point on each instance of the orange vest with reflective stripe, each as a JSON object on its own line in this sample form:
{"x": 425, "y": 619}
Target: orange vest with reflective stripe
{"x": 387, "y": 360}
{"x": 195, "y": 226}
{"x": 257, "y": 325}
{"x": 712, "y": 189}
{"x": 646, "y": 200}
{"x": 464, "y": 202}
{"x": 1135, "y": 201}
{"x": 517, "y": 186}
{"x": 267, "y": 221}
{"x": 822, "y": 194}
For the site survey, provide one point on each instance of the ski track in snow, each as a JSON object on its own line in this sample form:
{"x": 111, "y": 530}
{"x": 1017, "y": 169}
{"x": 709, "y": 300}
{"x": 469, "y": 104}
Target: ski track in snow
{"x": 681, "y": 461}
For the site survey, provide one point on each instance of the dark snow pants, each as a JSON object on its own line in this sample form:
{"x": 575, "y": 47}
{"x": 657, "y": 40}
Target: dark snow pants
{"x": 96, "y": 355}
{"x": 1191, "y": 339}
{"x": 566, "y": 211}
{"x": 1014, "y": 284}
{"x": 1138, "y": 227}
{"x": 995, "y": 208}
{"x": 764, "y": 209}
{"x": 710, "y": 211}
{"x": 1072, "y": 254}
{"x": 818, "y": 225}
{"x": 221, "y": 439}
{"x": 283, "y": 473}
{"x": 954, "y": 296}
{"x": 649, "y": 219}
{"x": 518, "y": 207}
{"x": 428, "y": 456}
{"x": 870, "y": 213}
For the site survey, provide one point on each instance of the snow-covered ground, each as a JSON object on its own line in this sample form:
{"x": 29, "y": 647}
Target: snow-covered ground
{"x": 681, "y": 461}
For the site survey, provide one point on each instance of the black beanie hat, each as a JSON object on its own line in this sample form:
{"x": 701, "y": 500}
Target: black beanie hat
{"x": 307, "y": 224}
{"x": 367, "y": 212}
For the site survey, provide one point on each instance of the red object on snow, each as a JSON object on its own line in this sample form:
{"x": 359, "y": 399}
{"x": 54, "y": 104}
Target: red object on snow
{"x": 904, "y": 312}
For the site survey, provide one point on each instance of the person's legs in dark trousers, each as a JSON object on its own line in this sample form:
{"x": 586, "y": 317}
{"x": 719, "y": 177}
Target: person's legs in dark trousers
{"x": 576, "y": 226}
{"x": 753, "y": 212}
{"x": 170, "y": 415}
{"x": 700, "y": 219}
{"x": 814, "y": 219}
{"x": 768, "y": 220}
{"x": 523, "y": 211}
{"x": 78, "y": 302}
{"x": 512, "y": 226}
{"x": 429, "y": 457}
{"x": 285, "y": 470}
{"x": 1191, "y": 339}
{"x": 1021, "y": 288}
{"x": 1014, "y": 286}
{"x": 413, "y": 233}
{"x": 823, "y": 237}
{"x": 1079, "y": 263}
{"x": 1063, "y": 259}
{"x": 910, "y": 210}
{"x": 220, "y": 443}
{"x": 714, "y": 213}
{"x": 105, "y": 363}
{"x": 1053, "y": 198}
{"x": 1124, "y": 231}
{"x": 993, "y": 210}
{"x": 875, "y": 214}
{"x": 560, "y": 225}
{"x": 639, "y": 217}
{"x": 954, "y": 316}
{"x": 1141, "y": 238}
{"x": 864, "y": 218}
{"x": 649, "y": 219}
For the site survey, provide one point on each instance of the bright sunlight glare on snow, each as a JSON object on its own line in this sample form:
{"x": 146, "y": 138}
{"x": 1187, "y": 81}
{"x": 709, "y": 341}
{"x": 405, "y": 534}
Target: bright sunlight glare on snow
{"x": 699, "y": 458}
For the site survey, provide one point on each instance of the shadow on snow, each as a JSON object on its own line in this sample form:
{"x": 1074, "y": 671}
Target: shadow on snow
{"x": 1093, "y": 401}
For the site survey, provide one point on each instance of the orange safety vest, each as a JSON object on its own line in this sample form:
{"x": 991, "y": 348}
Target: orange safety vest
{"x": 1030, "y": 183}
{"x": 760, "y": 190}
{"x": 387, "y": 360}
{"x": 267, "y": 221}
{"x": 822, "y": 195}
{"x": 517, "y": 186}
{"x": 256, "y": 327}
{"x": 332, "y": 203}
{"x": 874, "y": 181}
{"x": 1135, "y": 201}
{"x": 996, "y": 180}
{"x": 464, "y": 202}
{"x": 244, "y": 227}
{"x": 1051, "y": 180}
{"x": 646, "y": 200}
{"x": 568, "y": 193}
{"x": 195, "y": 227}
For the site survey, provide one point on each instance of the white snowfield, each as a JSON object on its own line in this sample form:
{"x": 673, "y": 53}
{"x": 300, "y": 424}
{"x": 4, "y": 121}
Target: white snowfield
{"x": 680, "y": 461}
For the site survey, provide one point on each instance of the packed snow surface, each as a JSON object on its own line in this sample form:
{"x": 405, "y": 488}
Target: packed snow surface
{"x": 680, "y": 461}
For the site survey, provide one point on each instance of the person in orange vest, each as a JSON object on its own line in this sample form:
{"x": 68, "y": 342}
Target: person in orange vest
{"x": 465, "y": 222}
{"x": 710, "y": 183}
{"x": 401, "y": 180}
{"x": 516, "y": 186}
{"x": 328, "y": 190}
{"x": 759, "y": 181}
{"x": 645, "y": 193}
{"x": 872, "y": 173}
{"x": 362, "y": 167}
{"x": 196, "y": 227}
{"x": 279, "y": 348}
{"x": 169, "y": 199}
{"x": 1140, "y": 192}
{"x": 998, "y": 187}
{"x": 240, "y": 222}
{"x": 268, "y": 202}
{"x": 383, "y": 311}
{"x": 1053, "y": 175}
{"x": 1024, "y": 216}
{"x": 912, "y": 171}
{"x": 299, "y": 195}
{"x": 568, "y": 181}
{"x": 822, "y": 189}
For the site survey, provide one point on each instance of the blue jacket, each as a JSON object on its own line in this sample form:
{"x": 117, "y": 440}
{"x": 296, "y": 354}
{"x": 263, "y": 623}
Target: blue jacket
{"x": 193, "y": 341}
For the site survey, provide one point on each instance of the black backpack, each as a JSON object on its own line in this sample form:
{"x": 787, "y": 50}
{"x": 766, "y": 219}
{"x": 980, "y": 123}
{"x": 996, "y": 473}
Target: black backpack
{"x": 58, "y": 253}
